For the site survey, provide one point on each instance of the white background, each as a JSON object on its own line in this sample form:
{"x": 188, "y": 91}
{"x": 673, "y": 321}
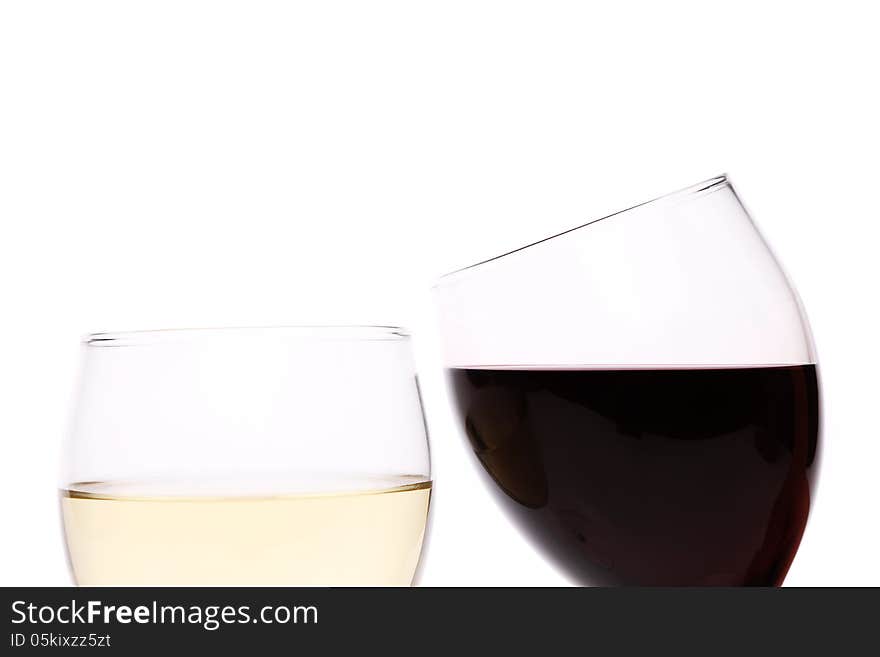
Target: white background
{"x": 169, "y": 164}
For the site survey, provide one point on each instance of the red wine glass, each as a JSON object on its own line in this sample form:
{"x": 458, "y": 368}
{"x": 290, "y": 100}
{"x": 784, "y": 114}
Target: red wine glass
{"x": 642, "y": 392}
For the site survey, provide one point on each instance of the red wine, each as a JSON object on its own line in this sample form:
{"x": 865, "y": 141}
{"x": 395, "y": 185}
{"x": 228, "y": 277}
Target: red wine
{"x": 651, "y": 476}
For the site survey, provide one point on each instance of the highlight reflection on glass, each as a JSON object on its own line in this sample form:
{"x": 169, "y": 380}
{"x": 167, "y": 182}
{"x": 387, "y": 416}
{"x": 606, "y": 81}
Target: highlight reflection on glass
{"x": 642, "y": 392}
{"x": 280, "y": 456}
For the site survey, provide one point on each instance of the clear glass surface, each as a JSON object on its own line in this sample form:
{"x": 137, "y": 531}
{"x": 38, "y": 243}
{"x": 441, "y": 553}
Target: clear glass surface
{"x": 642, "y": 392}
{"x": 265, "y": 456}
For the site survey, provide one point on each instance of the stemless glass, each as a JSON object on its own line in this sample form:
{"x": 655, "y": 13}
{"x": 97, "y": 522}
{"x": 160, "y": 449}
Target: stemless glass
{"x": 267, "y": 456}
{"x": 643, "y": 392}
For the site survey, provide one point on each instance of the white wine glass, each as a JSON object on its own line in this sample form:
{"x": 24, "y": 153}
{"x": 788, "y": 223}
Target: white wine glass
{"x": 289, "y": 456}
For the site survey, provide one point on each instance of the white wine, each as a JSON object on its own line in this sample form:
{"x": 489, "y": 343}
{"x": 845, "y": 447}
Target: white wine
{"x": 151, "y": 534}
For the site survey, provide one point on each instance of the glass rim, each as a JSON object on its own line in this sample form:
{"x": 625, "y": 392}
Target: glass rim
{"x": 710, "y": 184}
{"x": 300, "y": 332}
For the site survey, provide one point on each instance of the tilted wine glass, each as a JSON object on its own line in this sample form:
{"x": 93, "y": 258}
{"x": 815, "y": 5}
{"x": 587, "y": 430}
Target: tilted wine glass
{"x": 642, "y": 391}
